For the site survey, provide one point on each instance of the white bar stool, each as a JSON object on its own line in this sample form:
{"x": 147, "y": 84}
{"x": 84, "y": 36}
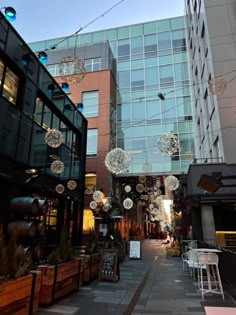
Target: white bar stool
{"x": 209, "y": 261}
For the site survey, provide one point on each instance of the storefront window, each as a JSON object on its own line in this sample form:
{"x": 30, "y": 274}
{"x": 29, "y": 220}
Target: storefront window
{"x": 10, "y": 86}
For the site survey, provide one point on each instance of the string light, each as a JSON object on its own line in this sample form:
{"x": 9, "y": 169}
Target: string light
{"x": 72, "y": 70}
{"x": 117, "y": 161}
{"x": 128, "y": 203}
{"x": 60, "y": 188}
{"x": 168, "y": 143}
{"x": 71, "y": 184}
{"x": 171, "y": 182}
{"x": 217, "y": 86}
{"x": 54, "y": 138}
{"x": 139, "y": 188}
{"x": 57, "y": 167}
{"x": 127, "y": 188}
{"x": 97, "y": 196}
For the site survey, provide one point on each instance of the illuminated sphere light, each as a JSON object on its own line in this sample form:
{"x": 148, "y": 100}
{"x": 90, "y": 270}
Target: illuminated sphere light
{"x": 157, "y": 192}
{"x": 57, "y": 167}
{"x": 93, "y": 205}
{"x": 60, "y": 189}
{"x": 53, "y": 138}
{"x": 72, "y": 70}
{"x": 217, "y": 86}
{"x": 171, "y": 182}
{"x": 127, "y": 188}
{"x": 147, "y": 167}
{"x": 139, "y": 188}
{"x": 145, "y": 197}
{"x": 168, "y": 143}
{"x": 128, "y": 203}
{"x": 143, "y": 203}
{"x": 142, "y": 179}
{"x": 151, "y": 206}
{"x": 117, "y": 161}
{"x": 97, "y": 196}
{"x": 71, "y": 184}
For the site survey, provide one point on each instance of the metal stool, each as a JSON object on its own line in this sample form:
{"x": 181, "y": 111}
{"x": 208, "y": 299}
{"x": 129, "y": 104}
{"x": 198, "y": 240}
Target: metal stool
{"x": 210, "y": 262}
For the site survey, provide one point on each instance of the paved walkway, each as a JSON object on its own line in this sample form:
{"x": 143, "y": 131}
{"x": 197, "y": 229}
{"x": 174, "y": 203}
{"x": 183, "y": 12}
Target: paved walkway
{"x": 153, "y": 285}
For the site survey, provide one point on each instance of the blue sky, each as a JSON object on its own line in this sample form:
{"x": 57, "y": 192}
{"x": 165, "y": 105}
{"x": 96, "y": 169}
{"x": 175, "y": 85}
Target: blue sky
{"x": 44, "y": 19}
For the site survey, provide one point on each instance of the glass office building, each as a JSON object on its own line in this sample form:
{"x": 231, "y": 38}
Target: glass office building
{"x": 151, "y": 58}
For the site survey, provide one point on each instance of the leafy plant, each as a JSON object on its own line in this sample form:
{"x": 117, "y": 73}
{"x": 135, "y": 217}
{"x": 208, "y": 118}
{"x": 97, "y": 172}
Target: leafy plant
{"x": 15, "y": 263}
{"x": 63, "y": 252}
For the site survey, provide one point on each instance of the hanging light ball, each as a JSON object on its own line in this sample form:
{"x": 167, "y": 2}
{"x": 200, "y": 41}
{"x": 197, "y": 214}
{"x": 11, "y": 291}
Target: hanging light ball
{"x": 157, "y": 192}
{"x": 217, "y": 86}
{"x": 168, "y": 143}
{"x": 117, "y": 161}
{"x": 155, "y": 210}
{"x": 142, "y": 179}
{"x": 127, "y": 188}
{"x": 93, "y": 205}
{"x": 53, "y": 138}
{"x": 151, "y": 206}
{"x": 147, "y": 167}
{"x": 128, "y": 203}
{"x": 60, "y": 189}
{"x": 57, "y": 167}
{"x": 97, "y": 196}
{"x": 171, "y": 182}
{"x": 139, "y": 188}
{"x": 72, "y": 70}
{"x": 158, "y": 182}
{"x": 71, "y": 184}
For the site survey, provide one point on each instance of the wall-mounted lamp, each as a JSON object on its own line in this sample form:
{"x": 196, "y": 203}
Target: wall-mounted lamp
{"x": 26, "y": 59}
{"x": 10, "y": 14}
{"x": 51, "y": 88}
{"x": 65, "y": 87}
{"x": 80, "y": 107}
{"x": 43, "y": 57}
{"x": 211, "y": 183}
{"x": 67, "y": 108}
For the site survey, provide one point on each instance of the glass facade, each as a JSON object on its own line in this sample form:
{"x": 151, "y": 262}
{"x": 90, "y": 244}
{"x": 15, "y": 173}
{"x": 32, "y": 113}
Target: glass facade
{"x": 151, "y": 59}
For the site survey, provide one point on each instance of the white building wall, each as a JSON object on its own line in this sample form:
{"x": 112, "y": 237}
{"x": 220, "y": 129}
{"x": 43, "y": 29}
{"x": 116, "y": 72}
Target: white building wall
{"x": 213, "y": 54}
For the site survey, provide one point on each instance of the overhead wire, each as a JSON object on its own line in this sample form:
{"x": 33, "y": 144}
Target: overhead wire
{"x": 83, "y": 27}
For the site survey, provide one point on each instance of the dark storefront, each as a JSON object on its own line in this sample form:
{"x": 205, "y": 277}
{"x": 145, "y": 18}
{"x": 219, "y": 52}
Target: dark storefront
{"x": 32, "y": 103}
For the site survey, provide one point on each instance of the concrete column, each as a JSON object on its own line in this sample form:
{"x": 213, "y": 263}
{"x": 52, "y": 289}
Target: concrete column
{"x": 208, "y": 224}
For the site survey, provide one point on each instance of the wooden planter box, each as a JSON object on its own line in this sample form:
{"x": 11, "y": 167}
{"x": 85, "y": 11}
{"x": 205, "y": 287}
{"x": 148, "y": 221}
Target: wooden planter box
{"x": 58, "y": 280}
{"x": 90, "y": 270}
{"x": 20, "y": 296}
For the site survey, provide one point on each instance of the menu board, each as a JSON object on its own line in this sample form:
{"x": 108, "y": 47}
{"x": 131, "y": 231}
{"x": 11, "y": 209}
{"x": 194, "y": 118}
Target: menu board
{"x": 135, "y": 249}
{"x": 109, "y": 265}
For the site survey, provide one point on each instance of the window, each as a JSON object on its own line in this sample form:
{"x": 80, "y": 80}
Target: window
{"x": 123, "y": 50}
{"x": 92, "y": 139}
{"x": 93, "y": 64}
{"x": 166, "y": 76}
{"x": 137, "y": 80}
{"x": 150, "y": 46}
{"x": 90, "y": 183}
{"x": 178, "y": 41}
{"x": 54, "y": 70}
{"x": 90, "y": 102}
{"x": 9, "y": 82}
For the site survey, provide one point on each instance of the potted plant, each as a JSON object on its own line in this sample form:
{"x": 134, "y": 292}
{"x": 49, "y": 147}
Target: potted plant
{"x": 91, "y": 258}
{"x": 60, "y": 275}
{"x": 19, "y": 287}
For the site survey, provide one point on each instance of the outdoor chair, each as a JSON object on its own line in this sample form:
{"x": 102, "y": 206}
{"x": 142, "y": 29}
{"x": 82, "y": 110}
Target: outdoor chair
{"x": 190, "y": 258}
{"x": 214, "y": 285}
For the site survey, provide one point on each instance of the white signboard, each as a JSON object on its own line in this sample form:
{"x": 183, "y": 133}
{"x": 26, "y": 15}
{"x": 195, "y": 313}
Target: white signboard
{"x": 135, "y": 249}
